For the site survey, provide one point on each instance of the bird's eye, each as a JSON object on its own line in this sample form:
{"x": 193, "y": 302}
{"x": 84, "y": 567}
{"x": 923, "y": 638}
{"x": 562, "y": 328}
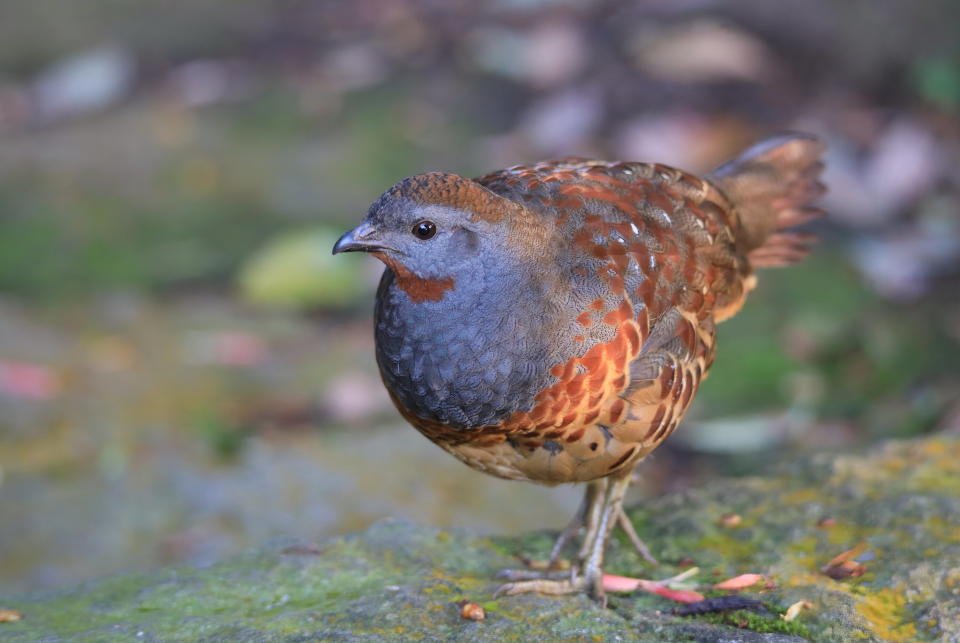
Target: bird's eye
{"x": 424, "y": 229}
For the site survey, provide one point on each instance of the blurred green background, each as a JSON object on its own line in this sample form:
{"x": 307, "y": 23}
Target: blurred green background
{"x": 186, "y": 371}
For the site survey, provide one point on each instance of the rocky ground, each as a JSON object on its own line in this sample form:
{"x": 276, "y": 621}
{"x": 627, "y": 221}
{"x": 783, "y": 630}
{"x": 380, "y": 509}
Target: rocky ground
{"x": 400, "y": 581}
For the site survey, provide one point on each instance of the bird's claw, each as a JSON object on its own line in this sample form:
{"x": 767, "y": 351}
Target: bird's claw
{"x": 540, "y": 586}
{"x": 512, "y": 575}
{"x": 552, "y": 587}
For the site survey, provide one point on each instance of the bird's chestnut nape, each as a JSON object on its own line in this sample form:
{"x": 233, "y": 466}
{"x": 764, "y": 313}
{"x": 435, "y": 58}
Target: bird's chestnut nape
{"x": 424, "y": 229}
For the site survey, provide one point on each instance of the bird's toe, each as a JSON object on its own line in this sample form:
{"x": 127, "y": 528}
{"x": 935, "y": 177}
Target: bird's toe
{"x": 512, "y": 575}
{"x": 546, "y": 586}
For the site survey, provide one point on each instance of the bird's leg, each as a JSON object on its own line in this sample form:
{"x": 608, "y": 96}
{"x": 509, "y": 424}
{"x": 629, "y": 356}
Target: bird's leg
{"x": 598, "y": 535}
{"x": 590, "y": 496}
{"x": 587, "y": 513}
{"x": 638, "y": 544}
{"x": 587, "y": 573}
{"x": 595, "y": 497}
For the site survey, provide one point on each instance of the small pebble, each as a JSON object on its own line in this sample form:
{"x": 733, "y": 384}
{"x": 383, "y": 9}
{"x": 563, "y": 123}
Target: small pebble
{"x": 471, "y": 611}
{"x": 730, "y": 520}
{"x": 9, "y": 616}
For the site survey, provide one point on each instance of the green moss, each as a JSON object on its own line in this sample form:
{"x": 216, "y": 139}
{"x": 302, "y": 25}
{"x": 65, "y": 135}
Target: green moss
{"x": 763, "y": 624}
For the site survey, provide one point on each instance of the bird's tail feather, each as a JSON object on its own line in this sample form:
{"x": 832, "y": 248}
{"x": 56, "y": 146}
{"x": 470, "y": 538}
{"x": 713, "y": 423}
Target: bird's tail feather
{"x": 771, "y": 186}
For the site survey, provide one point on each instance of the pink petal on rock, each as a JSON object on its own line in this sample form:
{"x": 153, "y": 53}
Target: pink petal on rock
{"x": 612, "y": 583}
{"x": 739, "y": 582}
{"x": 679, "y": 595}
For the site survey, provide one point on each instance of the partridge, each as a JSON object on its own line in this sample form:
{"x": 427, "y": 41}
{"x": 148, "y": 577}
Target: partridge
{"x": 552, "y": 322}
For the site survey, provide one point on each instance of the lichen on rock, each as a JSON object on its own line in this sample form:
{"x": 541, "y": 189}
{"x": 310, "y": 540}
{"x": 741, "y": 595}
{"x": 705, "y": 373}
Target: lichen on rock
{"x": 399, "y": 581}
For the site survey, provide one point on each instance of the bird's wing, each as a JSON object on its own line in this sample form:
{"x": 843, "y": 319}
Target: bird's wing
{"x": 657, "y": 237}
{"x": 661, "y": 244}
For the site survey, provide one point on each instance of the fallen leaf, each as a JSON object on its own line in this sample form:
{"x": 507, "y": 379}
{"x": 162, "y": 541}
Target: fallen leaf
{"x": 843, "y": 565}
{"x": 28, "y": 381}
{"x": 704, "y": 51}
{"x": 794, "y": 610}
{"x": 847, "y": 569}
{"x": 679, "y": 595}
{"x": 739, "y": 582}
{"x": 858, "y": 549}
{"x": 9, "y": 616}
{"x": 238, "y": 349}
{"x": 613, "y": 583}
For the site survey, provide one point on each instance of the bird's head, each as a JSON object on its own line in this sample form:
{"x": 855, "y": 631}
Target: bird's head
{"x": 433, "y": 230}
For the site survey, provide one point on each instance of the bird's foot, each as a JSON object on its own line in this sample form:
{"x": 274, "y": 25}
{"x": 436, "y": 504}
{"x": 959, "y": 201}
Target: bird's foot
{"x": 513, "y": 575}
{"x": 572, "y": 584}
{"x": 602, "y": 511}
{"x": 541, "y": 586}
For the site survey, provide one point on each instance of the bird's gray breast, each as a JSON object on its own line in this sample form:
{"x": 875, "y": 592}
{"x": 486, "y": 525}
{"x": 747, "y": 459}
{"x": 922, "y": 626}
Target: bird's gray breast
{"x": 468, "y": 360}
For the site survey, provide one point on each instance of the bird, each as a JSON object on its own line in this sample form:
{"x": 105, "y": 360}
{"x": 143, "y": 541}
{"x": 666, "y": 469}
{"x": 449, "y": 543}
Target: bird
{"x": 552, "y": 322}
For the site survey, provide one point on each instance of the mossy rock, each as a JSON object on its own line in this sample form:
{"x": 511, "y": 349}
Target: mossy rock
{"x": 398, "y": 581}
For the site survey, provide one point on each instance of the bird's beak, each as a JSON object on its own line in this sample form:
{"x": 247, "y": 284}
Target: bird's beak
{"x": 363, "y": 238}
